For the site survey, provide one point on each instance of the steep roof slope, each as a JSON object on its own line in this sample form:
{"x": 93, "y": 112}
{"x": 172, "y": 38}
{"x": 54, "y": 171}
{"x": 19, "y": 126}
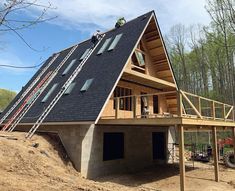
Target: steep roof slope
{"x": 105, "y": 69}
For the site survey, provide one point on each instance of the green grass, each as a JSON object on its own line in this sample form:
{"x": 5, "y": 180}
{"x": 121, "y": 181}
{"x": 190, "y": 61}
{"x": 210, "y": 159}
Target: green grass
{"x": 6, "y": 97}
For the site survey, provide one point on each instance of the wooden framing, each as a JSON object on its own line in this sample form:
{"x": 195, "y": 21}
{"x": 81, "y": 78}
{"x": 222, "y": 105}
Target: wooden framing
{"x": 181, "y": 157}
{"x": 157, "y": 74}
{"x": 215, "y": 153}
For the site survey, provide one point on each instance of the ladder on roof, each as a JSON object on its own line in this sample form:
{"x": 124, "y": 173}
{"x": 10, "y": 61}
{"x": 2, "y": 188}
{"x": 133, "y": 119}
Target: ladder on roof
{"x": 61, "y": 92}
{"x": 28, "y": 89}
{"x": 31, "y": 99}
{"x": 27, "y": 102}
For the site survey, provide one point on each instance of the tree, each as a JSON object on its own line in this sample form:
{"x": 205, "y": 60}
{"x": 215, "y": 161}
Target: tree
{"x": 12, "y": 17}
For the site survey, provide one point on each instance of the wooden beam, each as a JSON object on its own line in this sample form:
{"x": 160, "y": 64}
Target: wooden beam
{"x": 134, "y": 104}
{"x": 179, "y": 104}
{"x": 151, "y": 79}
{"x": 181, "y": 157}
{"x": 213, "y": 109}
{"x": 191, "y": 104}
{"x": 117, "y": 107}
{"x": 215, "y": 153}
{"x": 223, "y": 111}
{"x": 229, "y": 112}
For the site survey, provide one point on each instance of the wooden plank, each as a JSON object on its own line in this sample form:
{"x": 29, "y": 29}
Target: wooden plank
{"x": 215, "y": 153}
{"x": 117, "y": 107}
{"x": 190, "y": 103}
{"x": 229, "y": 112}
{"x": 213, "y": 109}
{"x": 207, "y": 122}
{"x": 154, "y": 43}
{"x": 179, "y": 102}
{"x": 149, "y": 78}
{"x": 181, "y": 157}
{"x": 157, "y": 51}
{"x": 134, "y": 104}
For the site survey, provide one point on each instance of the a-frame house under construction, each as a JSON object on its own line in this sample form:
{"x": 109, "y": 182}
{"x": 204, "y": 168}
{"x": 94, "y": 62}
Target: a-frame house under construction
{"x": 115, "y": 106}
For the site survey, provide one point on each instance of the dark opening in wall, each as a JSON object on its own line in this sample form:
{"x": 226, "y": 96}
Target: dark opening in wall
{"x": 113, "y": 146}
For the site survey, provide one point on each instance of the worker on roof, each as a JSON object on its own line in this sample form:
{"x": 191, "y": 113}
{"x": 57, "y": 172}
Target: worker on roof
{"x": 96, "y": 37}
{"x": 121, "y": 21}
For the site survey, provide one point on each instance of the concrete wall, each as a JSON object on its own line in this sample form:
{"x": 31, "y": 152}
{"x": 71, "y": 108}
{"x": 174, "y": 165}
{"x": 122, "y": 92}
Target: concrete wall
{"x": 137, "y": 150}
{"x": 84, "y": 146}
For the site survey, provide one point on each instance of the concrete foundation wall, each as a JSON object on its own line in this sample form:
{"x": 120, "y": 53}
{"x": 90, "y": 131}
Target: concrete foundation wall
{"x": 137, "y": 150}
{"x": 84, "y": 146}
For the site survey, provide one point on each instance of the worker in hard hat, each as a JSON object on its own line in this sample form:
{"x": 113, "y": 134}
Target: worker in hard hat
{"x": 121, "y": 21}
{"x": 96, "y": 37}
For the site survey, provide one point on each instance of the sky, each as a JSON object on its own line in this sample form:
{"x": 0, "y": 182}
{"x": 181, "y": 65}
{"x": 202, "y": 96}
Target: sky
{"x": 75, "y": 21}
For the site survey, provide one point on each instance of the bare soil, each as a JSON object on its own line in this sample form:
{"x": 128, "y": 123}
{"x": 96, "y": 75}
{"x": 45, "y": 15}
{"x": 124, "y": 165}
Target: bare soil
{"x": 40, "y": 164}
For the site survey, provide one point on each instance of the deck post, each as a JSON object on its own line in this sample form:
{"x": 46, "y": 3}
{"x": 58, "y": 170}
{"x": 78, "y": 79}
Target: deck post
{"x": 215, "y": 153}
{"x": 213, "y": 110}
{"x": 179, "y": 104}
{"x": 181, "y": 157}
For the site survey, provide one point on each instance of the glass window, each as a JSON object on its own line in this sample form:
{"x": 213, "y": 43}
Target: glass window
{"x": 84, "y": 54}
{"x": 69, "y": 67}
{"x": 105, "y": 45}
{"x": 86, "y": 85}
{"x": 70, "y": 88}
{"x": 49, "y": 93}
{"x": 115, "y": 41}
{"x": 140, "y": 58}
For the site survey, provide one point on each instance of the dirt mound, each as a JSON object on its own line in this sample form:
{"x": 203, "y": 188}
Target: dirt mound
{"x": 37, "y": 164}
{"x": 41, "y": 164}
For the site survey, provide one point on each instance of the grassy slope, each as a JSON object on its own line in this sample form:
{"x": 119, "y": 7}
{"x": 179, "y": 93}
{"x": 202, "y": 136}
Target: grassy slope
{"x": 6, "y": 97}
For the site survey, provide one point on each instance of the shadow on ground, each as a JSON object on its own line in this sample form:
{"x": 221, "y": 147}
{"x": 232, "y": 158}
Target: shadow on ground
{"x": 145, "y": 176}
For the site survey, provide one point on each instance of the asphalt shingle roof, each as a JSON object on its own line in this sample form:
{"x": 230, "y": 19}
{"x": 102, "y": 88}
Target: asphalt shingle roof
{"x": 104, "y": 68}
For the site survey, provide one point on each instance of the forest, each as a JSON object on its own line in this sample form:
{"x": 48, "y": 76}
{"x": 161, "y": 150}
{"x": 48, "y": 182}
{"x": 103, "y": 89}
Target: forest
{"x": 203, "y": 57}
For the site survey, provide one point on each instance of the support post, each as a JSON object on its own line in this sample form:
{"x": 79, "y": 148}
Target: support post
{"x": 181, "y": 157}
{"x": 179, "y": 104}
{"x": 213, "y": 110}
{"x": 198, "y": 105}
{"x": 117, "y": 107}
{"x": 223, "y": 111}
{"x": 215, "y": 154}
{"x": 134, "y": 106}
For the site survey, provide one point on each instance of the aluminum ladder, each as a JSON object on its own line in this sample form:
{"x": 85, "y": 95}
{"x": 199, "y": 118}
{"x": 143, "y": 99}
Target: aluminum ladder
{"x": 61, "y": 92}
{"x": 28, "y": 89}
{"x": 47, "y": 82}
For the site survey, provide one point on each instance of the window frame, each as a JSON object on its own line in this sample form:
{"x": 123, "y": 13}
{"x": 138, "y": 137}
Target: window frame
{"x": 125, "y": 103}
{"x": 86, "y": 85}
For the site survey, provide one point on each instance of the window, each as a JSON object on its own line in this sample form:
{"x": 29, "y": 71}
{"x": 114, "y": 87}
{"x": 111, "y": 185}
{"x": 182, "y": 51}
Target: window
{"x": 106, "y": 43}
{"x": 69, "y": 67}
{"x": 115, "y": 41}
{"x": 113, "y": 146}
{"x": 140, "y": 58}
{"x": 49, "y": 93}
{"x": 84, "y": 54}
{"x": 125, "y": 103}
{"x": 70, "y": 88}
{"x": 86, "y": 85}
{"x": 155, "y": 104}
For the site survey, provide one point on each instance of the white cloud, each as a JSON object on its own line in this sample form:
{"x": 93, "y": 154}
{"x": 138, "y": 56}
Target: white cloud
{"x": 90, "y": 14}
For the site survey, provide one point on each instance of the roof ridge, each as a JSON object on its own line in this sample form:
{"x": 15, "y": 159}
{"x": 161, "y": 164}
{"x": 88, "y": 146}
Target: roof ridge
{"x": 109, "y": 30}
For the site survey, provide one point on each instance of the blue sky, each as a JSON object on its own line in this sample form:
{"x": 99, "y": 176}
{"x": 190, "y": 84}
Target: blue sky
{"x": 76, "y": 20}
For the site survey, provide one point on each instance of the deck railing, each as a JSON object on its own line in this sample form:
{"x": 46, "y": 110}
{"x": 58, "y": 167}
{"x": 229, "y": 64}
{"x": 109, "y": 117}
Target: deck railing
{"x": 177, "y": 104}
